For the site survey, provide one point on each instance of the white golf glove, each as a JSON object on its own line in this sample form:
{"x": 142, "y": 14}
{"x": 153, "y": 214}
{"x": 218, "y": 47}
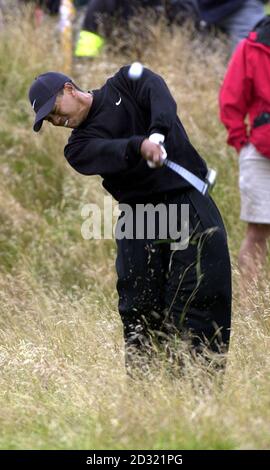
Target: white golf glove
{"x": 158, "y": 139}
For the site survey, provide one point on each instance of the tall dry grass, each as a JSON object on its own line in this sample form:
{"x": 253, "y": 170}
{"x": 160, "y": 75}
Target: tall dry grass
{"x": 62, "y": 381}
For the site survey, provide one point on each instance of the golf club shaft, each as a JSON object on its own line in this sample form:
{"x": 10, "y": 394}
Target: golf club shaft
{"x": 196, "y": 182}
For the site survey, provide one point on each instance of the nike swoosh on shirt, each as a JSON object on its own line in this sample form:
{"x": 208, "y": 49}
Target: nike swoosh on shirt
{"x": 119, "y": 101}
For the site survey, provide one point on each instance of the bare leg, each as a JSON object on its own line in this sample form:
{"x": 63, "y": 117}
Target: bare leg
{"x": 253, "y": 251}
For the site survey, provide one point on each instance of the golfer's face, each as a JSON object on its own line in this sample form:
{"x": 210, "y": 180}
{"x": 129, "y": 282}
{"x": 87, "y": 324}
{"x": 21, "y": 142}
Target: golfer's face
{"x": 66, "y": 111}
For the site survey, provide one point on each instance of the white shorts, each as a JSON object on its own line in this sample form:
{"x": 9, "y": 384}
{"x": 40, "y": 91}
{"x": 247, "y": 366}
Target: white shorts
{"x": 254, "y": 184}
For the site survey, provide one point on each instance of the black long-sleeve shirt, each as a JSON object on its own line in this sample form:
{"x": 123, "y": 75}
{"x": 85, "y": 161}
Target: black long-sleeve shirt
{"x": 123, "y": 113}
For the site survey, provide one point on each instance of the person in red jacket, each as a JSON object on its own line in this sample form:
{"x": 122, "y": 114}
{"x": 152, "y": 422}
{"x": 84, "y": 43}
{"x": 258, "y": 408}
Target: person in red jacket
{"x": 245, "y": 93}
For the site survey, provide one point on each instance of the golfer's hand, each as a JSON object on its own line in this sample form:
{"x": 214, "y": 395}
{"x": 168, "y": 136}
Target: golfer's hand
{"x": 152, "y": 152}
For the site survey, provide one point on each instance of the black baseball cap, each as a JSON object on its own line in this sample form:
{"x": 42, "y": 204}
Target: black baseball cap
{"x": 43, "y": 93}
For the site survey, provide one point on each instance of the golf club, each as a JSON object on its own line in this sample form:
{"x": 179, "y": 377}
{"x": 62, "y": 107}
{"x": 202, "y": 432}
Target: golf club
{"x": 201, "y": 185}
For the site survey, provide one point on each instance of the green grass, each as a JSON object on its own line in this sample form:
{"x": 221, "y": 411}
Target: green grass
{"x": 62, "y": 382}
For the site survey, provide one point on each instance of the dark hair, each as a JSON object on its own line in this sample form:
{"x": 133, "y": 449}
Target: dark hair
{"x": 61, "y": 92}
{"x": 77, "y": 88}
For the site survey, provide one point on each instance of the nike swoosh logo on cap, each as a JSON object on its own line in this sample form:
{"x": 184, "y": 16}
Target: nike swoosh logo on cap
{"x": 119, "y": 101}
{"x": 33, "y": 105}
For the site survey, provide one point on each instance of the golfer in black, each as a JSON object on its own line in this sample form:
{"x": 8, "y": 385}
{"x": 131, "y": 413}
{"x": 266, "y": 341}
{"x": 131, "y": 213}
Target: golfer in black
{"x": 117, "y": 131}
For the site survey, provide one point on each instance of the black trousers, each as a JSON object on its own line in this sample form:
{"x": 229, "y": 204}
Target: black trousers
{"x": 123, "y": 8}
{"x": 185, "y": 292}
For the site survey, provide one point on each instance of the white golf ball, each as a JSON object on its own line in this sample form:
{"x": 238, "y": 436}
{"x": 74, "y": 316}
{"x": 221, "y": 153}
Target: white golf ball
{"x": 135, "y": 71}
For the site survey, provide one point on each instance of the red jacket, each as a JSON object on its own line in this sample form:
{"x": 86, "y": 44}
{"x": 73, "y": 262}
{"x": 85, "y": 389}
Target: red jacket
{"x": 245, "y": 92}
